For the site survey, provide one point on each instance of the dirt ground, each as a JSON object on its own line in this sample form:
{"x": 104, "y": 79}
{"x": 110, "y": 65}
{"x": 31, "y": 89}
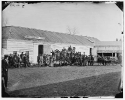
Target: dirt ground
{"x": 64, "y": 81}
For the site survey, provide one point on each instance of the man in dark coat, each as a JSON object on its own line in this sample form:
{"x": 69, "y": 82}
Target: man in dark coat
{"x": 83, "y": 59}
{"x": 10, "y": 60}
{"x": 15, "y": 60}
{"x": 5, "y": 65}
{"x": 24, "y": 61}
{"x": 92, "y": 60}
{"x": 21, "y": 55}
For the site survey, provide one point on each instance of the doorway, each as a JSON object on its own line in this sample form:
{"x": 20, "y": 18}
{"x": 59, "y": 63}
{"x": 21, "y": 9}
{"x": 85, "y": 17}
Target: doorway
{"x": 90, "y": 51}
{"x": 40, "y": 49}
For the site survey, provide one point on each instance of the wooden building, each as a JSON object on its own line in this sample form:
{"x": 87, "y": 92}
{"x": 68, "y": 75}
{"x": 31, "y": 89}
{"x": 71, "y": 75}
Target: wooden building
{"x": 35, "y": 42}
{"x": 108, "y": 48}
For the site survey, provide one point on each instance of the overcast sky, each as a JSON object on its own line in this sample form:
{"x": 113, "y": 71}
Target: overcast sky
{"x": 102, "y": 21}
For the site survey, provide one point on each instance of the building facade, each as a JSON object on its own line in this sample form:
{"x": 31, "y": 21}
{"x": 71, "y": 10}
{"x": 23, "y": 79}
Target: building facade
{"x": 36, "y": 42}
{"x": 108, "y": 48}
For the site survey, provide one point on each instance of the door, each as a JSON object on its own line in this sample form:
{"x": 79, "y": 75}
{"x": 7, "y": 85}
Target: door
{"x": 40, "y": 49}
{"x": 90, "y": 51}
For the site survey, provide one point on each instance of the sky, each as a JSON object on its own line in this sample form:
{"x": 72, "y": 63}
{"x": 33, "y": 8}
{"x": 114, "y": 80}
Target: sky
{"x": 102, "y": 21}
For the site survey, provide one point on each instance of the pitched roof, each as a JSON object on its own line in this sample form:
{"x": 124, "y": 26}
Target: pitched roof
{"x": 109, "y": 43}
{"x": 13, "y": 32}
{"x": 92, "y": 39}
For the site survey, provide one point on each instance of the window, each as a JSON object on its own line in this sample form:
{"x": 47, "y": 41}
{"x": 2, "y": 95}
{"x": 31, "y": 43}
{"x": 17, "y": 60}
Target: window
{"x": 27, "y": 52}
{"x": 14, "y": 52}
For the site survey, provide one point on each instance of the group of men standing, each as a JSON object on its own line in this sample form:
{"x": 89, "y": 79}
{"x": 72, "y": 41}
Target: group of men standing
{"x": 65, "y": 57}
{"x": 10, "y": 61}
{"x": 17, "y": 61}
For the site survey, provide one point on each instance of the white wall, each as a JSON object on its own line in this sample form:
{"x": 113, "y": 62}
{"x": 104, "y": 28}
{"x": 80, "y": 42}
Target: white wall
{"x": 109, "y": 48}
{"x": 83, "y": 49}
{"x": 4, "y": 44}
{"x": 106, "y": 49}
{"x": 35, "y": 53}
{"x": 46, "y": 49}
{"x": 59, "y": 46}
{"x": 94, "y": 51}
{"x": 20, "y": 46}
{"x": 79, "y": 48}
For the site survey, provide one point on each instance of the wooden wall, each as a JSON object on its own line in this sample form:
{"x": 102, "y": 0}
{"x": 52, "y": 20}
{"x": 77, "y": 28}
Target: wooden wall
{"x": 4, "y": 44}
{"x": 46, "y": 49}
{"x": 27, "y": 45}
{"x": 108, "y": 48}
{"x": 20, "y": 46}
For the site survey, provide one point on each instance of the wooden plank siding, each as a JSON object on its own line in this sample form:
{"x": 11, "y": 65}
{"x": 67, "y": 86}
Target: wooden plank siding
{"x": 4, "y": 44}
{"x": 46, "y": 49}
{"x": 32, "y": 46}
{"x": 20, "y": 46}
{"x": 25, "y": 45}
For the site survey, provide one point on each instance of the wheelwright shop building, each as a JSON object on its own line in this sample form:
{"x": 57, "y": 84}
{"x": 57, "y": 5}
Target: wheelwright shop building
{"x": 108, "y": 48}
{"x": 35, "y": 42}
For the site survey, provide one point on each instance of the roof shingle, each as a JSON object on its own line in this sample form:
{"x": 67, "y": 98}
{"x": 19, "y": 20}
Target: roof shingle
{"x": 109, "y": 43}
{"x": 14, "y": 32}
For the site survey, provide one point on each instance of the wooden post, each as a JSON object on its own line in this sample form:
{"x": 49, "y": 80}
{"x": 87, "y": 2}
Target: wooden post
{"x": 115, "y": 54}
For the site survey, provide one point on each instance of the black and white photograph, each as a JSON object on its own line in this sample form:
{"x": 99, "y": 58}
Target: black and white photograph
{"x": 62, "y": 49}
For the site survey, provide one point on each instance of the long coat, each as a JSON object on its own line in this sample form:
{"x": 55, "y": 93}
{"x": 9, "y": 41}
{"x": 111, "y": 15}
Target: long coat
{"x": 5, "y": 66}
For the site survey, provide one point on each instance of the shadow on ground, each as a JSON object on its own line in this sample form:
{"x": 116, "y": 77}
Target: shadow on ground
{"x": 101, "y": 85}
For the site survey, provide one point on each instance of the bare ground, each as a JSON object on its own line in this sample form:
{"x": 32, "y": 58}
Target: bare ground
{"x": 64, "y": 81}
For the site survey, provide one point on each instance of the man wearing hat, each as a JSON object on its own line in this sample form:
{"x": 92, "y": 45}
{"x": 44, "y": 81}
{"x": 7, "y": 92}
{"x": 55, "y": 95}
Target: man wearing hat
{"x": 5, "y": 65}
